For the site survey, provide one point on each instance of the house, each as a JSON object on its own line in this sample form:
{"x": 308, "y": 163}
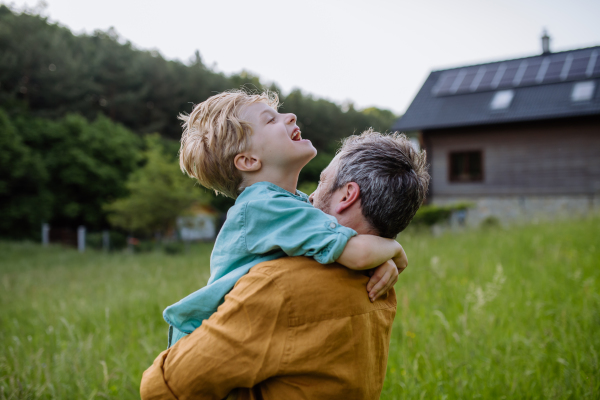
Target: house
{"x": 199, "y": 224}
{"x": 519, "y": 138}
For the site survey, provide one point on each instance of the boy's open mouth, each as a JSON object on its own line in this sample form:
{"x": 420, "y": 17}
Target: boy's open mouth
{"x": 297, "y": 136}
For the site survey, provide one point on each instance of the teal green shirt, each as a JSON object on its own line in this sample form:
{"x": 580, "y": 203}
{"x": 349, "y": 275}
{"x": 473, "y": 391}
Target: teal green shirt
{"x": 266, "y": 222}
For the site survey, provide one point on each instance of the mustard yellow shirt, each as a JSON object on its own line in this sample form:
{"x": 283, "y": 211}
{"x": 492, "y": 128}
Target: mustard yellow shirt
{"x": 290, "y": 329}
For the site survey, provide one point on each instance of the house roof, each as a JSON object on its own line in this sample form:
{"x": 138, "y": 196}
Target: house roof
{"x": 546, "y": 86}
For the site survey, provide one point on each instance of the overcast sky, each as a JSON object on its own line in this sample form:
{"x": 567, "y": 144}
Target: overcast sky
{"x": 373, "y": 53}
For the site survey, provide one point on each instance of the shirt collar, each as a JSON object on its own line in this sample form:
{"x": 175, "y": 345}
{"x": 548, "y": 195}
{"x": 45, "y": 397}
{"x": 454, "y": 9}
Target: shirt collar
{"x": 271, "y": 186}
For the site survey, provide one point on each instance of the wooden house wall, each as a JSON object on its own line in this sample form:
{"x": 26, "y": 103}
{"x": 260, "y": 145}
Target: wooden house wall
{"x": 538, "y": 158}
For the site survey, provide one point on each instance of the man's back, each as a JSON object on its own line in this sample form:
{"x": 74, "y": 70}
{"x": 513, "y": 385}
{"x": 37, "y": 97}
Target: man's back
{"x": 290, "y": 329}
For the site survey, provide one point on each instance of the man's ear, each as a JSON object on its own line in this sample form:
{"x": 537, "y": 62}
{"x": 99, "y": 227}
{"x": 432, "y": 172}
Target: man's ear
{"x": 350, "y": 196}
{"x": 247, "y": 163}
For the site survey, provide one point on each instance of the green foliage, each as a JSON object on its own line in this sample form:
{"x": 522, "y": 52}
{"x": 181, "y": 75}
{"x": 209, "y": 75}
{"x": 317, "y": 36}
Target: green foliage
{"x": 490, "y": 222}
{"x": 497, "y": 314}
{"x": 51, "y": 72}
{"x": 308, "y": 187}
{"x": 47, "y": 69}
{"x": 79, "y": 326}
{"x": 429, "y": 215}
{"x": 25, "y": 199}
{"x": 144, "y": 246}
{"x": 158, "y": 193}
{"x": 53, "y": 82}
{"x": 173, "y": 248}
{"x": 61, "y": 171}
{"x": 311, "y": 173}
{"x": 117, "y": 240}
{"x": 380, "y": 120}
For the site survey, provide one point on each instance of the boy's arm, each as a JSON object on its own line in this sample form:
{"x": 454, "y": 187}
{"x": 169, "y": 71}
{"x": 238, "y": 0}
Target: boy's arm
{"x": 369, "y": 251}
{"x": 295, "y": 227}
{"x": 299, "y": 229}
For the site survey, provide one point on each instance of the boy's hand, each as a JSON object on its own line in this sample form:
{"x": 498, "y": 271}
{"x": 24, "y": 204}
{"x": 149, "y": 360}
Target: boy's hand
{"x": 401, "y": 260}
{"x": 382, "y": 279}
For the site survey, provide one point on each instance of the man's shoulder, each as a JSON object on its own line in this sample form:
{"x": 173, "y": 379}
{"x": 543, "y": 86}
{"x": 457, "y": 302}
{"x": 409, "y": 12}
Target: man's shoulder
{"x": 289, "y": 270}
{"x": 314, "y": 291}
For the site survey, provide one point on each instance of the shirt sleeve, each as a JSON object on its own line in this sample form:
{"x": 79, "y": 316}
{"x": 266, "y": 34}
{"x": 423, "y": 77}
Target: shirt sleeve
{"x": 238, "y": 347}
{"x": 297, "y": 228}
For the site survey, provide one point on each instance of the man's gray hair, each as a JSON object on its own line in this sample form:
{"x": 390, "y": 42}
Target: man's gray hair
{"x": 392, "y": 176}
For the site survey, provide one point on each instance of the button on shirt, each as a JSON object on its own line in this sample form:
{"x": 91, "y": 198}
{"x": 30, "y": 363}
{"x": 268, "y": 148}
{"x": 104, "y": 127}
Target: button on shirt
{"x": 266, "y": 223}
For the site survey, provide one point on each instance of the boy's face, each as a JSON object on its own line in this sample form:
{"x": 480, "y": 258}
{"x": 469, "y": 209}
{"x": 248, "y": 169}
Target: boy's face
{"x": 276, "y": 139}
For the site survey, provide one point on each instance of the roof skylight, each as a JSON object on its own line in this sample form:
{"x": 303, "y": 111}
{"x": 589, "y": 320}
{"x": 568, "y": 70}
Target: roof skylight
{"x": 583, "y": 91}
{"x": 502, "y": 99}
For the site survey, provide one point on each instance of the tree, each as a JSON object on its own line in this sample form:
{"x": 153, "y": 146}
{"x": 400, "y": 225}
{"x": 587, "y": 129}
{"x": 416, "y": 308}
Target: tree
{"x": 87, "y": 162}
{"x": 48, "y": 70}
{"x": 158, "y": 193}
{"x": 24, "y": 197}
{"x": 61, "y": 172}
{"x": 52, "y": 82}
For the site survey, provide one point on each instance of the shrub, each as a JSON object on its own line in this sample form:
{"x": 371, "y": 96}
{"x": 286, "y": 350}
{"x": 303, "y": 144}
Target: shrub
{"x": 116, "y": 240}
{"x": 430, "y": 215}
{"x": 490, "y": 222}
{"x": 173, "y": 248}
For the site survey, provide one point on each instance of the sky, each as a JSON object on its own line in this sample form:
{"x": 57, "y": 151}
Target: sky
{"x": 370, "y": 52}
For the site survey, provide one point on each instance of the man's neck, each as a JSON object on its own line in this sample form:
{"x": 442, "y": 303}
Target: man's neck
{"x": 361, "y": 226}
{"x": 353, "y": 218}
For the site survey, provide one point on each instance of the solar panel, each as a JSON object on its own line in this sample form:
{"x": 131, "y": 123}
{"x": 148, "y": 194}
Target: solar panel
{"x": 498, "y": 76}
{"x": 566, "y": 67}
{"x": 574, "y": 65}
{"x": 458, "y": 80}
{"x": 520, "y": 72}
{"x": 468, "y": 80}
{"x": 591, "y": 64}
{"x": 554, "y": 69}
{"x": 578, "y": 66}
{"x": 443, "y": 85}
{"x": 490, "y": 72}
{"x": 533, "y": 67}
{"x": 543, "y": 69}
{"x": 509, "y": 75}
{"x": 597, "y": 67}
{"x": 477, "y": 79}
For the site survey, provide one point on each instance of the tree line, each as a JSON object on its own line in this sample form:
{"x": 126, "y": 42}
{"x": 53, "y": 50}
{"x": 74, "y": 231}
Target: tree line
{"x": 75, "y": 109}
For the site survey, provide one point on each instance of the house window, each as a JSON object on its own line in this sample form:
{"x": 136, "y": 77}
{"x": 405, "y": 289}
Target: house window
{"x": 466, "y": 166}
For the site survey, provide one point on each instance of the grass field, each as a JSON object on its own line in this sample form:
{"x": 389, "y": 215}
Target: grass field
{"x": 490, "y": 314}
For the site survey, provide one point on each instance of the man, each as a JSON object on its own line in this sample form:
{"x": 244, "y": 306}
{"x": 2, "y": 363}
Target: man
{"x": 292, "y": 328}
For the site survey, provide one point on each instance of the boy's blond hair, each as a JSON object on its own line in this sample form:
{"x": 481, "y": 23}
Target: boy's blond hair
{"x": 213, "y": 134}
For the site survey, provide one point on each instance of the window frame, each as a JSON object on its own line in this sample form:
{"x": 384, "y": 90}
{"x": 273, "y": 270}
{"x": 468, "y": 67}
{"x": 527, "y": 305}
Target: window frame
{"x": 453, "y": 179}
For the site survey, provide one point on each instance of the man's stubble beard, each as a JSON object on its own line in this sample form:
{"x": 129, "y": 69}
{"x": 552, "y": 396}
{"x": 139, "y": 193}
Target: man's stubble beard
{"x": 324, "y": 203}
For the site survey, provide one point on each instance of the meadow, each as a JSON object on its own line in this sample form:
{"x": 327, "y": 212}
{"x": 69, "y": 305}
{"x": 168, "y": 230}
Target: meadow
{"x": 491, "y": 313}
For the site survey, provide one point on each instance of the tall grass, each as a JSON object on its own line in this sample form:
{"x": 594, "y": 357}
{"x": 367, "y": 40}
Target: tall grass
{"x": 482, "y": 314}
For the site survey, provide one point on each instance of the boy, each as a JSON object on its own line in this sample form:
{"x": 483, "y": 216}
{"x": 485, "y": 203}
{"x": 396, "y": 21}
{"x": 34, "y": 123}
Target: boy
{"x": 239, "y": 145}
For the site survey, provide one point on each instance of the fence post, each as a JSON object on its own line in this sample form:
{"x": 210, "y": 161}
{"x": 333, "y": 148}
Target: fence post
{"x": 105, "y": 241}
{"x": 81, "y": 239}
{"x": 45, "y": 234}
